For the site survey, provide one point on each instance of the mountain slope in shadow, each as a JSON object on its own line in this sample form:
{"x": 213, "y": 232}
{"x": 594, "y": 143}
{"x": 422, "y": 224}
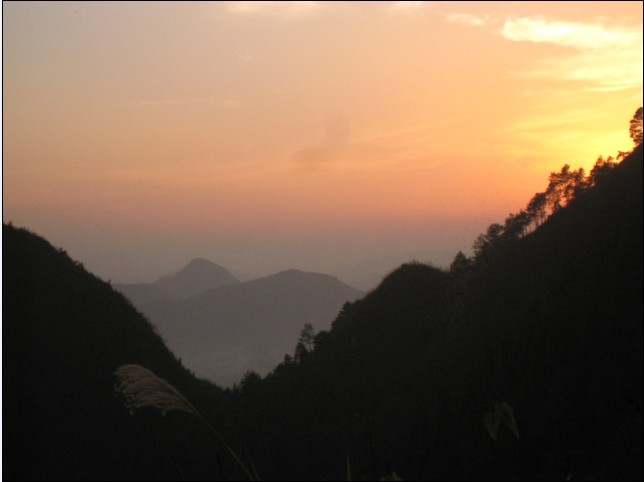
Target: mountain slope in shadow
{"x": 65, "y": 332}
{"x": 550, "y": 324}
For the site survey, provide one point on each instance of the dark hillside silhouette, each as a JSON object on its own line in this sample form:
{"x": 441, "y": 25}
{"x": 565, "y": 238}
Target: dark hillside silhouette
{"x": 546, "y": 321}
{"x": 65, "y": 332}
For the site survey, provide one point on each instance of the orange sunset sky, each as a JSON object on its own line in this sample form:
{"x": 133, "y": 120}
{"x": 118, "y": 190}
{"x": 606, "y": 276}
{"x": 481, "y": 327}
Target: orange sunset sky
{"x": 339, "y": 137}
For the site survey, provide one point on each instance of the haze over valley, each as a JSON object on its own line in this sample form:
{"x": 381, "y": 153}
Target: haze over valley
{"x": 222, "y": 328}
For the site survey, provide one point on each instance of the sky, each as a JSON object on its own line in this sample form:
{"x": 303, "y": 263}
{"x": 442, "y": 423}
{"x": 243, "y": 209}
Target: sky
{"x": 339, "y": 137}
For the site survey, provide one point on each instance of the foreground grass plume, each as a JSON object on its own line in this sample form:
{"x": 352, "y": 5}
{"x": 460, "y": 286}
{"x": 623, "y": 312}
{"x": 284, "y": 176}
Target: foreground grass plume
{"x": 140, "y": 388}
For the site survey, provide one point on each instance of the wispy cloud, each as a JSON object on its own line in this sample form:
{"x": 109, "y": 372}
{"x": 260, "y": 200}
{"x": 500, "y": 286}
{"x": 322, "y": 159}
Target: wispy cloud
{"x": 609, "y": 58}
{"x": 569, "y": 34}
{"x": 603, "y": 70}
{"x": 606, "y": 58}
{"x": 538, "y": 123}
{"x": 468, "y": 19}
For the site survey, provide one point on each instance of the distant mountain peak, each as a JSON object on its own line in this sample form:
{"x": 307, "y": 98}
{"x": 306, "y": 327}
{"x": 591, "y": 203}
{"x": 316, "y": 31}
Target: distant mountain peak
{"x": 195, "y": 264}
{"x": 197, "y": 276}
{"x": 194, "y": 278}
{"x": 200, "y": 263}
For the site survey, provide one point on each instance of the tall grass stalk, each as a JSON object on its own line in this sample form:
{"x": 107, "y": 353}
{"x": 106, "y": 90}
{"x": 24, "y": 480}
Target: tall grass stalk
{"x": 140, "y": 388}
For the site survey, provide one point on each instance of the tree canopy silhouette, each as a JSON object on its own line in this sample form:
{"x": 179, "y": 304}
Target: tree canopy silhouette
{"x": 636, "y": 127}
{"x": 545, "y": 317}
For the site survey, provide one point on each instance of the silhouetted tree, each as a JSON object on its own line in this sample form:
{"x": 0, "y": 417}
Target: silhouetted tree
{"x": 516, "y": 225}
{"x": 563, "y": 186}
{"x": 636, "y": 127}
{"x": 621, "y": 155}
{"x": 305, "y": 343}
{"x": 575, "y": 184}
{"x": 601, "y": 168}
{"x": 485, "y": 242}
{"x": 556, "y": 187}
{"x": 250, "y": 382}
{"x": 461, "y": 264}
{"x": 307, "y": 337}
{"x": 537, "y": 208}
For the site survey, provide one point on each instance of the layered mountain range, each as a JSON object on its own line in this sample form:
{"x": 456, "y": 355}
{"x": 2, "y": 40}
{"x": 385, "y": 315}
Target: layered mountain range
{"x": 222, "y": 328}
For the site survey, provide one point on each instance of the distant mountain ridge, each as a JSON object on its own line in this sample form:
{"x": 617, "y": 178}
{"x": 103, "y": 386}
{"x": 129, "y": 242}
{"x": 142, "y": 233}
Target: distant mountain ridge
{"x": 197, "y": 276}
{"x": 226, "y": 331}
